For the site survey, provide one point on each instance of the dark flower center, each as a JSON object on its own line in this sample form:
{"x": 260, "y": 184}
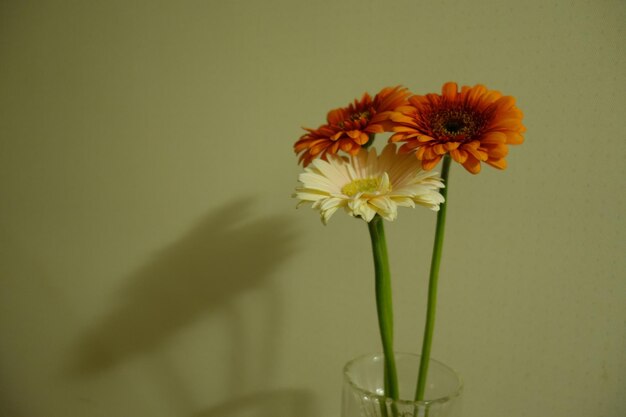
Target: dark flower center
{"x": 360, "y": 115}
{"x": 356, "y": 117}
{"x": 455, "y": 124}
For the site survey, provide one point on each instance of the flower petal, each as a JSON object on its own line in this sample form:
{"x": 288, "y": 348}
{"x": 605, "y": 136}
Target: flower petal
{"x": 472, "y": 164}
{"x": 376, "y": 184}
{"x": 473, "y": 125}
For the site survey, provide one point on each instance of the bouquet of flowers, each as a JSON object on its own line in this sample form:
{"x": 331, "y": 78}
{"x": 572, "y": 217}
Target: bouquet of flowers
{"x": 341, "y": 170}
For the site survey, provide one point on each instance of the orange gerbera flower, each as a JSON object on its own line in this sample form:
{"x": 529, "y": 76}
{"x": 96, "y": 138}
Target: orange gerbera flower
{"x": 474, "y": 125}
{"x": 349, "y": 128}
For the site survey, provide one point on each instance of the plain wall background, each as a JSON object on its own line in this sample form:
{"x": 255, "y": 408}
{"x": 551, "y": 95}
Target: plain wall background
{"x": 152, "y": 262}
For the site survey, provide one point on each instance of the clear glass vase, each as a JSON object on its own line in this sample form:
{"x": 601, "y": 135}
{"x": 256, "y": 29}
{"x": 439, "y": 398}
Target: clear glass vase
{"x": 363, "y": 384}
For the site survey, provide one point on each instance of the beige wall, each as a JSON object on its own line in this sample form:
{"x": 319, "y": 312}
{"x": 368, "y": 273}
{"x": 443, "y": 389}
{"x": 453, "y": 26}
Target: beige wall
{"x": 153, "y": 264}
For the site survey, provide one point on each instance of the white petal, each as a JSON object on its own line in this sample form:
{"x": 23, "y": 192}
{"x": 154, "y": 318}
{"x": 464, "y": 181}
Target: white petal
{"x": 306, "y": 195}
{"x": 325, "y": 214}
{"x": 385, "y": 207}
{"x": 402, "y": 183}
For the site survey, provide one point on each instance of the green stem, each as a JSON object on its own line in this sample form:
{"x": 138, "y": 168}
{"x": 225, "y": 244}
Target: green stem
{"x": 432, "y": 285}
{"x": 384, "y": 303}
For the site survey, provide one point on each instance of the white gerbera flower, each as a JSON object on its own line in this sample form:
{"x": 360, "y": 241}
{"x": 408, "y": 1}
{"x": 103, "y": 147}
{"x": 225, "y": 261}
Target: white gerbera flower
{"x": 366, "y": 184}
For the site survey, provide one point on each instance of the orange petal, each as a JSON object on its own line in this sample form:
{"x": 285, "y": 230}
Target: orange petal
{"x": 314, "y": 150}
{"x": 440, "y": 149}
{"x": 412, "y": 135}
{"x": 375, "y": 128}
{"x": 497, "y": 163}
{"x": 379, "y": 117}
{"x": 514, "y": 139}
{"x": 430, "y": 163}
{"x": 420, "y": 153}
{"x": 476, "y": 92}
{"x": 429, "y": 153}
{"x": 300, "y": 146}
{"x": 472, "y": 165}
{"x": 346, "y": 145}
{"x": 403, "y": 129}
{"x": 476, "y": 153}
{"x": 398, "y": 137}
{"x": 417, "y": 101}
{"x": 505, "y": 102}
{"x": 404, "y": 149}
{"x": 512, "y": 123}
{"x": 424, "y": 138}
{"x": 404, "y": 109}
{"x": 493, "y": 137}
{"x": 458, "y": 155}
{"x": 452, "y": 145}
{"x": 362, "y": 139}
{"x": 498, "y": 151}
{"x": 449, "y": 91}
{"x": 473, "y": 144}
{"x": 335, "y": 116}
{"x": 412, "y": 144}
{"x": 401, "y": 118}
{"x": 492, "y": 96}
{"x": 336, "y": 135}
{"x": 305, "y": 159}
{"x": 353, "y": 134}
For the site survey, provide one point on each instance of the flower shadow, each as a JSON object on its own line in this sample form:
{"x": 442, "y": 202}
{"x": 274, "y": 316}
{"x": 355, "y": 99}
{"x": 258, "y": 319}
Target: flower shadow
{"x": 227, "y": 254}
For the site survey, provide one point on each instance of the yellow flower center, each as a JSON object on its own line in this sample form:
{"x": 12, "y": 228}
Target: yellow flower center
{"x": 365, "y": 186}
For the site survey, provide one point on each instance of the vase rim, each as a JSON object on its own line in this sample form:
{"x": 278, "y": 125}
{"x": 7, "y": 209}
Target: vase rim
{"x": 444, "y": 399}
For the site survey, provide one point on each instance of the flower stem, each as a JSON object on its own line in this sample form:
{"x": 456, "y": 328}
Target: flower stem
{"x": 432, "y": 285}
{"x": 384, "y": 303}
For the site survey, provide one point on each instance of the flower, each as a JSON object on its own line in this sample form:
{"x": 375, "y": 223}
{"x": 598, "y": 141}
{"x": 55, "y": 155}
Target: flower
{"x": 366, "y": 184}
{"x": 473, "y": 126}
{"x": 349, "y": 128}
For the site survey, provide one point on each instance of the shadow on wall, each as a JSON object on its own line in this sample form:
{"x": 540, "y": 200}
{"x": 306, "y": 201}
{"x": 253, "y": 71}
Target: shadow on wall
{"x": 227, "y": 254}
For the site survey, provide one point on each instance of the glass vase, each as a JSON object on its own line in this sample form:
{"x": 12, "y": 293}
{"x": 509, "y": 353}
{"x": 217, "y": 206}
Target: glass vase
{"x": 363, "y": 390}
